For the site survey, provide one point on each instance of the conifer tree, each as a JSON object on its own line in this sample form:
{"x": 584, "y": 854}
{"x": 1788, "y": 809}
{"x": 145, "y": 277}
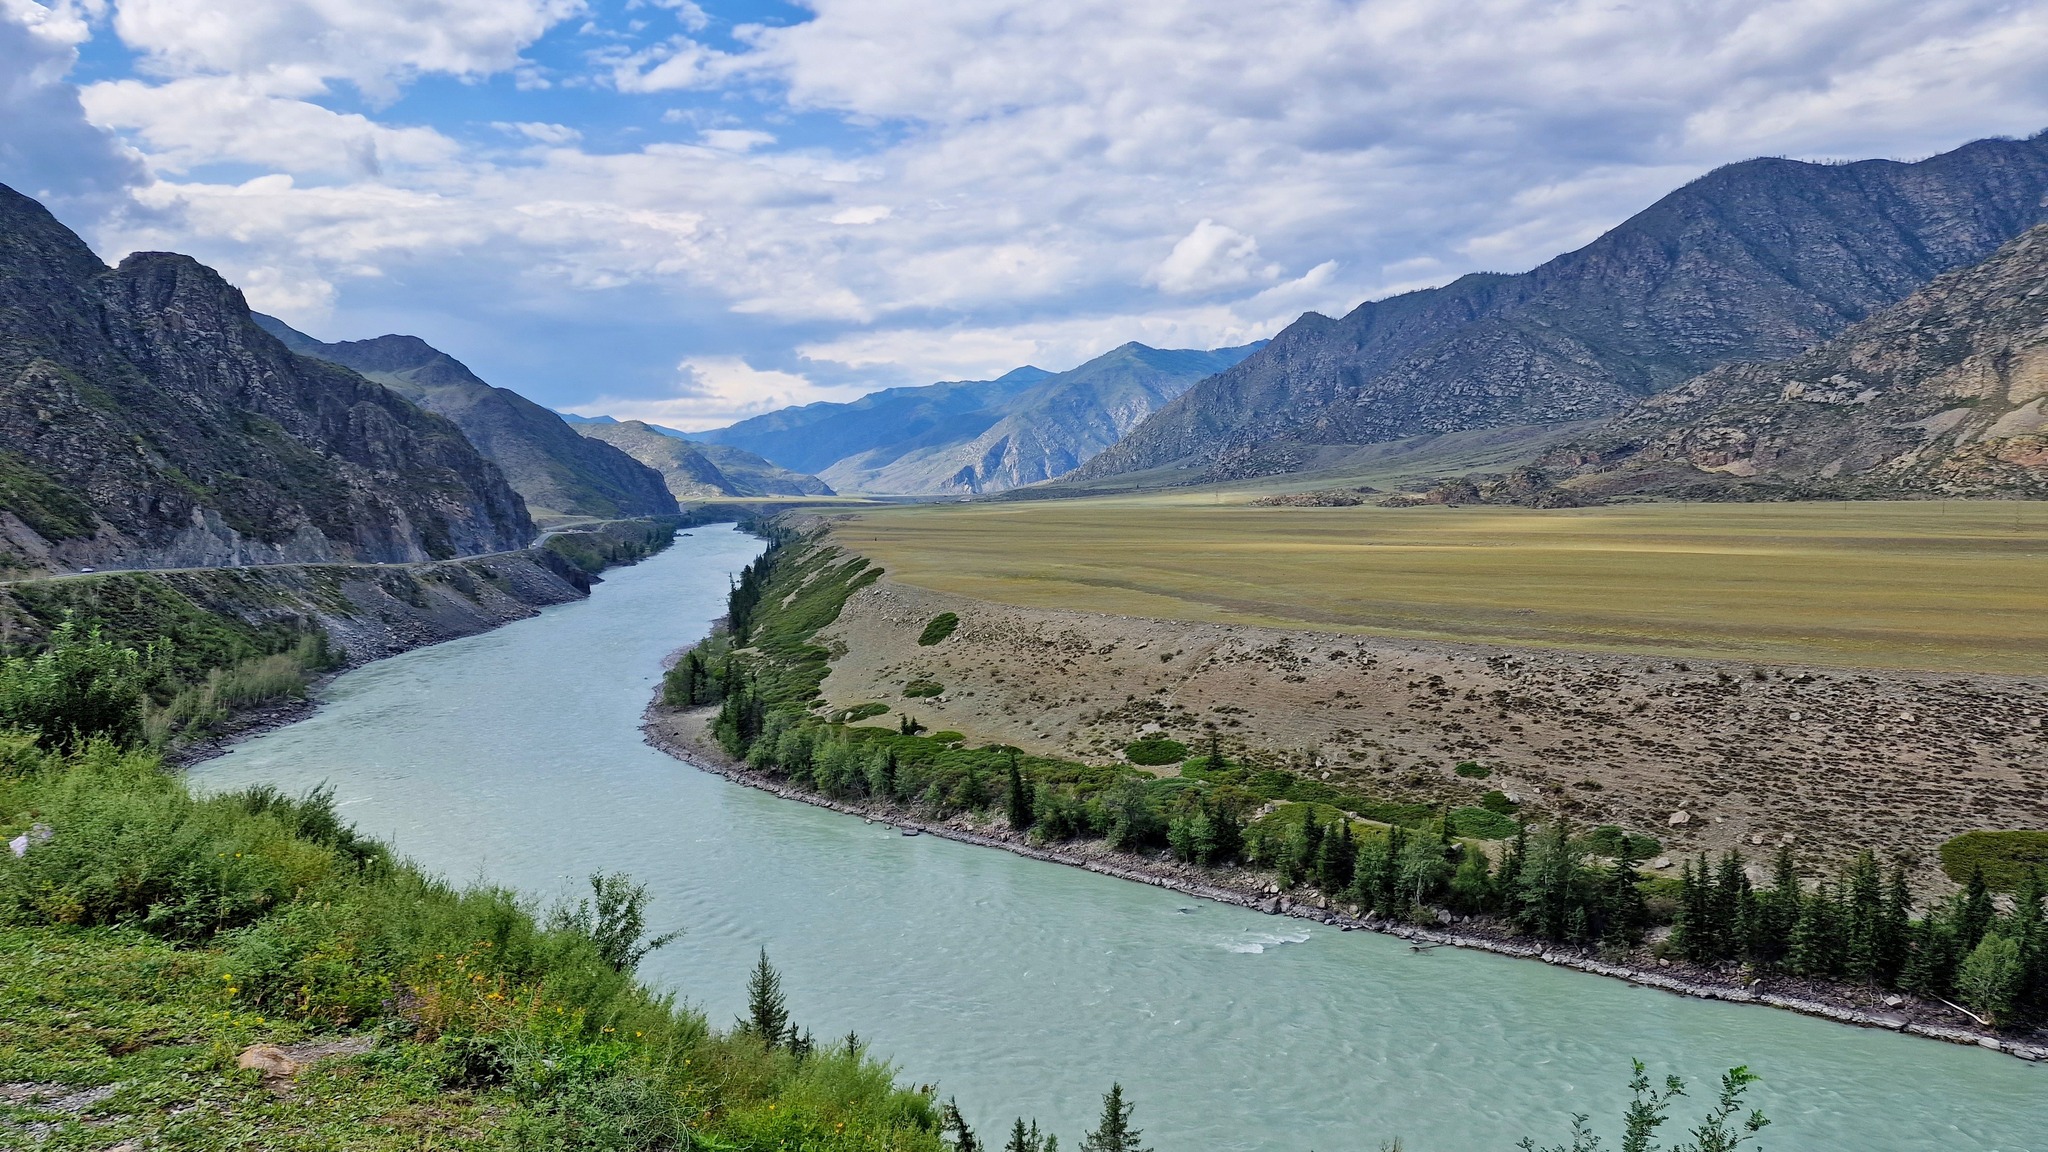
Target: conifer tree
{"x": 1627, "y": 914}
{"x": 1894, "y": 929}
{"x": 767, "y": 1012}
{"x": 1813, "y": 937}
{"x": 1472, "y": 885}
{"x": 1337, "y": 859}
{"x": 1114, "y": 1133}
{"x": 1770, "y": 935}
{"x": 1024, "y": 1139}
{"x": 1021, "y": 816}
{"x": 1974, "y": 910}
{"x": 955, "y": 1125}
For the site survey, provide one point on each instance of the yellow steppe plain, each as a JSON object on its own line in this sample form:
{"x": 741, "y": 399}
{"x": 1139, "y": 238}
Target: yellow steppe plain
{"x": 1954, "y": 586}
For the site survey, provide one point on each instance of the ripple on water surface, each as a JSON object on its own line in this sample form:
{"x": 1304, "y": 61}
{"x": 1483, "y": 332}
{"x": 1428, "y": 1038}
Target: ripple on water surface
{"x": 1026, "y": 987}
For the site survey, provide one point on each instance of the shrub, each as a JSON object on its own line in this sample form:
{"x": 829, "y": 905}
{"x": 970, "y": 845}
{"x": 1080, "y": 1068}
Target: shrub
{"x": 81, "y": 687}
{"x": 1152, "y": 751}
{"x": 859, "y": 712}
{"x": 940, "y": 627}
{"x": 1497, "y": 801}
{"x": 921, "y": 687}
{"x": 2005, "y": 857}
{"x": 1482, "y": 824}
{"x": 1608, "y": 840}
{"x": 1473, "y": 770}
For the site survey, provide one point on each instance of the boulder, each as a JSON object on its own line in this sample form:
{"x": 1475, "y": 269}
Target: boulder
{"x": 1680, "y": 818}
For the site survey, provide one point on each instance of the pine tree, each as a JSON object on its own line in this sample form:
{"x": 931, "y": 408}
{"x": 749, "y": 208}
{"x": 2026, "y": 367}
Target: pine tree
{"x": 1770, "y": 932}
{"x": 767, "y": 1013}
{"x": 1894, "y": 930}
{"x": 1214, "y": 761}
{"x": 1975, "y": 910}
{"x": 1024, "y": 1139}
{"x": 952, "y": 1123}
{"x": 1114, "y": 1133}
{"x": 1627, "y": 914}
{"x": 1814, "y": 949}
{"x": 1021, "y": 816}
{"x": 1863, "y": 915}
{"x": 1337, "y": 859}
{"x": 1472, "y": 884}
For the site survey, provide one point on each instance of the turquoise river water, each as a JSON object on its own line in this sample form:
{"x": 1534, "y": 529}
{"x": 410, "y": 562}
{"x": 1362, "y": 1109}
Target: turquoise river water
{"x": 1023, "y": 987}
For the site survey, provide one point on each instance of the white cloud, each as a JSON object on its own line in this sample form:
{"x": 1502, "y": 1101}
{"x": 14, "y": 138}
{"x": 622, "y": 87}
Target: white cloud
{"x": 735, "y": 139}
{"x": 1014, "y": 181}
{"x": 712, "y": 391}
{"x": 541, "y": 133}
{"x": 1211, "y": 256}
{"x": 48, "y": 148}
{"x": 374, "y": 44}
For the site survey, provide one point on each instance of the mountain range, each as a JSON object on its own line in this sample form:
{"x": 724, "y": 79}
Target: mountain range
{"x": 1755, "y": 261}
{"x": 697, "y": 471}
{"x": 146, "y": 419}
{"x": 1945, "y": 393}
{"x": 973, "y": 436}
{"x": 558, "y": 473}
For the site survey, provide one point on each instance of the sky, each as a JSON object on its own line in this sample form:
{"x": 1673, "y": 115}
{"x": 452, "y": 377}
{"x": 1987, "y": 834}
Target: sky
{"x": 694, "y": 212}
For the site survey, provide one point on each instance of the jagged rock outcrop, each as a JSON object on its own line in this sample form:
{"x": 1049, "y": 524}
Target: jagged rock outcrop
{"x": 557, "y": 472}
{"x": 1945, "y": 393}
{"x": 145, "y": 420}
{"x": 1755, "y": 261}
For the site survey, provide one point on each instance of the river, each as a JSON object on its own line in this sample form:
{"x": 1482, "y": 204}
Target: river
{"x": 1023, "y": 987}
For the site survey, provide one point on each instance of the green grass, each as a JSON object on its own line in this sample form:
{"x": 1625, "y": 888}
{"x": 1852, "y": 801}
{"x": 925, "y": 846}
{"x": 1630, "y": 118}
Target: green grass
{"x": 1930, "y": 585}
{"x": 2005, "y": 857}
{"x": 1154, "y": 751}
{"x": 940, "y": 627}
{"x": 157, "y": 934}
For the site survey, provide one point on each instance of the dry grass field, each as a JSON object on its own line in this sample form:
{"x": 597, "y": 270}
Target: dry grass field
{"x": 1938, "y": 586}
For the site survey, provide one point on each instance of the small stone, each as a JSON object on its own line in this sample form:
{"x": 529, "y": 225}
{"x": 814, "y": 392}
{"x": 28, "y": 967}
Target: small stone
{"x": 268, "y": 1059}
{"x": 1680, "y": 818}
{"x": 1662, "y": 963}
{"x": 1795, "y": 717}
{"x": 1894, "y": 1001}
{"x": 1662, "y": 862}
{"x": 1756, "y": 839}
{"x": 1990, "y": 1042}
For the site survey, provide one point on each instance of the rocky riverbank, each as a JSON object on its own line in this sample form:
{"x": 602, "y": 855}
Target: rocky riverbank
{"x": 684, "y": 735}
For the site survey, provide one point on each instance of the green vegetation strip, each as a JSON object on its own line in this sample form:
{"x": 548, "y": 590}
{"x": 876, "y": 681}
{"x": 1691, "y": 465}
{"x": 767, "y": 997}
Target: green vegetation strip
{"x": 1400, "y": 861}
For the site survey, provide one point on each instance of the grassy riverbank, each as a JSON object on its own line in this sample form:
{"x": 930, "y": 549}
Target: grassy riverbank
{"x": 151, "y": 938}
{"x": 1944, "y": 586}
{"x": 1852, "y": 941}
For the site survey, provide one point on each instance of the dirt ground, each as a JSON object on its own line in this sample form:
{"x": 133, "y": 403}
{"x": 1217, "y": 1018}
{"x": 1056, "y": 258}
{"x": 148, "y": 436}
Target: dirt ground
{"x": 1832, "y": 761}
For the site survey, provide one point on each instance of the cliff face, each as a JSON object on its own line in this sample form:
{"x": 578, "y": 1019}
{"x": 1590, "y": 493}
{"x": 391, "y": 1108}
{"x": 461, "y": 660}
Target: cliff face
{"x": 145, "y": 420}
{"x": 557, "y": 472}
{"x": 1755, "y": 261}
{"x": 1945, "y": 393}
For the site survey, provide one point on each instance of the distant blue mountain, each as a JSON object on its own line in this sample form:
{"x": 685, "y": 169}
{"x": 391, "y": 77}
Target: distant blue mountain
{"x": 966, "y": 436}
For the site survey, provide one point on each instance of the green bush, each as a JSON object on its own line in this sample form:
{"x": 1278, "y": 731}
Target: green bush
{"x": 1473, "y": 770}
{"x": 1153, "y": 751}
{"x": 1608, "y": 840}
{"x": 921, "y": 688}
{"x": 290, "y": 923}
{"x": 940, "y": 627}
{"x": 1482, "y": 824}
{"x": 80, "y": 688}
{"x": 2005, "y": 857}
{"x": 859, "y": 712}
{"x": 1497, "y": 801}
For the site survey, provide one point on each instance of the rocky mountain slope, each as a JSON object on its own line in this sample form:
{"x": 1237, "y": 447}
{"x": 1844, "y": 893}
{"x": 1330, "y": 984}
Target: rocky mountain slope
{"x": 971, "y": 436}
{"x": 1045, "y": 431}
{"x": 1945, "y": 393}
{"x": 559, "y": 473}
{"x": 145, "y": 420}
{"x": 696, "y": 471}
{"x": 813, "y": 437}
{"x": 1755, "y": 261}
